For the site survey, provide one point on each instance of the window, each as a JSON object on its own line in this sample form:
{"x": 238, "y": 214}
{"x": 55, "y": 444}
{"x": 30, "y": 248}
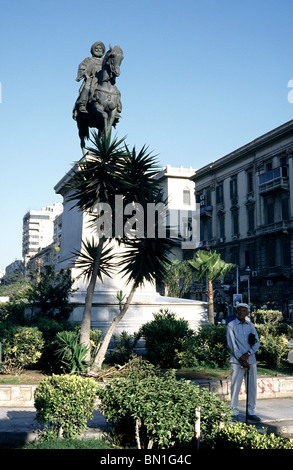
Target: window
{"x": 235, "y": 256}
{"x": 269, "y": 211}
{"x": 219, "y": 194}
{"x": 221, "y": 219}
{"x": 285, "y": 208}
{"x": 286, "y": 252}
{"x": 250, "y": 217}
{"x": 206, "y": 229}
{"x": 235, "y": 222}
{"x": 271, "y": 254}
{"x": 269, "y": 166}
{"x": 208, "y": 197}
{"x": 249, "y": 177}
{"x": 250, "y": 257}
{"x": 233, "y": 188}
{"x": 186, "y": 197}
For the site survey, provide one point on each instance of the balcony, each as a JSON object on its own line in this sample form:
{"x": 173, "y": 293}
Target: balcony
{"x": 274, "y": 272}
{"x": 206, "y": 210}
{"x": 282, "y": 226}
{"x": 273, "y": 180}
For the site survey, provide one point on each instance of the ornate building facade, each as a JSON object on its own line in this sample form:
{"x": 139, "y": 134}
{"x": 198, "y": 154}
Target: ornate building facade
{"x": 246, "y": 215}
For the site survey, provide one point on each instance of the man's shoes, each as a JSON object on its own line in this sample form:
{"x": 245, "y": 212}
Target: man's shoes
{"x": 253, "y": 418}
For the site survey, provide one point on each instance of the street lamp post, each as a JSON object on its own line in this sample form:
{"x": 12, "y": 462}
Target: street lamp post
{"x": 248, "y": 270}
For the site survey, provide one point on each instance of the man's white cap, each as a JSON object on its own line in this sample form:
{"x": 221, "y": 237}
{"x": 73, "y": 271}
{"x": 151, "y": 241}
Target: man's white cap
{"x": 242, "y": 305}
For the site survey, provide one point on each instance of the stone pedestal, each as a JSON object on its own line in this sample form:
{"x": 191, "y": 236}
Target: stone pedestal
{"x": 146, "y": 301}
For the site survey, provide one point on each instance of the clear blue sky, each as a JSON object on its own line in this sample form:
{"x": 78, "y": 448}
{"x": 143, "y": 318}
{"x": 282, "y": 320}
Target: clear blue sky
{"x": 199, "y": 79}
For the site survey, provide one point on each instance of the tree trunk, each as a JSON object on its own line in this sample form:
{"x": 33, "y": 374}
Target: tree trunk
{"x": 211, "y": 302}
{"x": 86, "y": 319}
{"x": 100, "y": 357}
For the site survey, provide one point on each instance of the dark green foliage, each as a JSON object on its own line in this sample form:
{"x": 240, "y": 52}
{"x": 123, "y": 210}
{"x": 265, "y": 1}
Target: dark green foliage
{"x": 48, "y": 294}
{"x": 122, "y": 349}
{"x": 162, "y": 337}
{"x": 207, "y": 346}
{"x": 12, "y": 311}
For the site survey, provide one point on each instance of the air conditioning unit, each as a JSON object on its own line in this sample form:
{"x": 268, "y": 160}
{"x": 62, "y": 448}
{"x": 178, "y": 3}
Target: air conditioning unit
{"x": 201, "y": 197}
{"x": 270, "y": 283}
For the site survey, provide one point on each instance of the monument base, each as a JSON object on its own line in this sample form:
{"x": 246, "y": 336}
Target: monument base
{"x": 105, "y": 308}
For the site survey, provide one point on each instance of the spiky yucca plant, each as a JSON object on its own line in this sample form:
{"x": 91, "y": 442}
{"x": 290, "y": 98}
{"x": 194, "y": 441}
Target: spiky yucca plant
{"x": 106, "y": 172}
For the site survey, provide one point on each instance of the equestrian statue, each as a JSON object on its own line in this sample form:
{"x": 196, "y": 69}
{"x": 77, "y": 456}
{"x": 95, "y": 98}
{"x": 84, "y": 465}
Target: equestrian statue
{"x": 99, "y": 102}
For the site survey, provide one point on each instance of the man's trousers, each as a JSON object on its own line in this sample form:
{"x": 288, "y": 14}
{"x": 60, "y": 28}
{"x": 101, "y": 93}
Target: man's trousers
{"x": 237, "y": 375}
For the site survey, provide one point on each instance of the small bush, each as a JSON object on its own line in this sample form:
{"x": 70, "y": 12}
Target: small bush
{"x": 21, "y": 347}
{"x": 272, "y": 351}
{"x": 12, "y": 311}
{"x": 207, "y": 346}
{"x": 243, "y": 436}
{"x": 122, "y": 350}
{"x": 266, "y": 316}
{"x": 162, "y": 337}
{"x": 64, "y": 404}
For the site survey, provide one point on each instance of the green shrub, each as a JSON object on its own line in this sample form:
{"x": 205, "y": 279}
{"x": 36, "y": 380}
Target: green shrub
{"x": 242, "y": 436}
{"x": 207, "y": 346}
{"x": 21, "y": 346}
{"x": 266, "y": 316}
{"x": 157, "y": 411}
{"x": 11, "y": 311}
{"x": 274, "y": 329}
{"x": 272, "y": 351}
{"x": 122, "y": 350}
{"x": 48, "y": 294}
{"x": 162, "y": 337}
{"x": 190, "y": 352}
{"x": 64, "y": 404}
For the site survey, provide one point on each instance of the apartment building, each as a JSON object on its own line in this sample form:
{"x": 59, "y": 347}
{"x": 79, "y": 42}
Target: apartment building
{"x": 38, "y": 230}
{"x": 246, "y": 214}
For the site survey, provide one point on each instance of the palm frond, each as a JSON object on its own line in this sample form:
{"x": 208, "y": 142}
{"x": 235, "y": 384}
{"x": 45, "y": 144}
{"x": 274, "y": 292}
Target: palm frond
{"x": 87, "y": 255}
{"x": 140, "y": 169}
{"x": 209, "y": 264}
{"x": 146, "y": 259}
{"x": 97, "y": 177}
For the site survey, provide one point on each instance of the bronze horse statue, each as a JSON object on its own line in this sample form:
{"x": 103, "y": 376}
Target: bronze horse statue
{"x": 104, "y": 105}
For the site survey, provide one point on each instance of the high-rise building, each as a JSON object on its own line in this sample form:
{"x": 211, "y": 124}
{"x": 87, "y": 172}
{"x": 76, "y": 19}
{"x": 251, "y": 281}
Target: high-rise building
{"x": 38, "y": 229}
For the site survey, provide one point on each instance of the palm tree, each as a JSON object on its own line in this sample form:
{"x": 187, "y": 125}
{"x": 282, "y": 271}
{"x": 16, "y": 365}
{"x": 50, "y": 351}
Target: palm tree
{"x": 144, "y": 260}
{"x": 96, "y": 178}
{"x": 210, "y": 266}
{"x": 108, "y": 171}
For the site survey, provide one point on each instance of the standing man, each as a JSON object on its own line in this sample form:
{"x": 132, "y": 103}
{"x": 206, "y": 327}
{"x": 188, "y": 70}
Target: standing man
{"x": 243, "y": 342}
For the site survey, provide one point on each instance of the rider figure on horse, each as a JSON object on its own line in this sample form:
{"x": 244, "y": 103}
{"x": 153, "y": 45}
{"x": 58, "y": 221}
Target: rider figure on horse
{"x": 89, "y": 70}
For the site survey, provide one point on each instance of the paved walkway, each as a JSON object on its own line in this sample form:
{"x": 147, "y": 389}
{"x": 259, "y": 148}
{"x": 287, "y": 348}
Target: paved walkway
{"x": 18, "y": 425}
